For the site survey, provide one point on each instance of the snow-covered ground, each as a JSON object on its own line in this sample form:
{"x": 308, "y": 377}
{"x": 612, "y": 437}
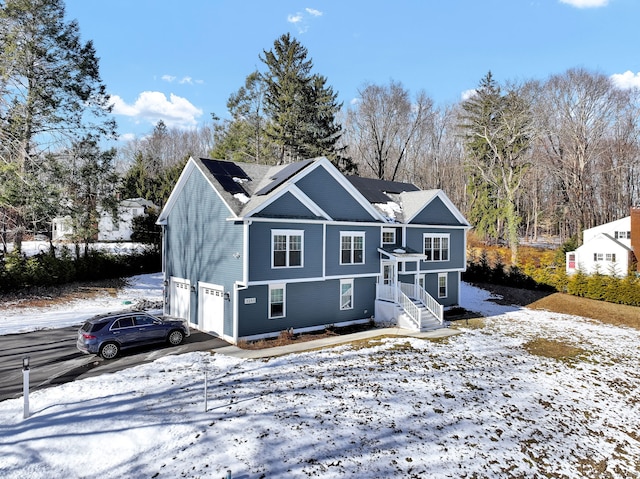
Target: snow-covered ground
{"x": 31, "y": 248}
{"x": 16, "y": 319}
{"x": 473, "y": 405}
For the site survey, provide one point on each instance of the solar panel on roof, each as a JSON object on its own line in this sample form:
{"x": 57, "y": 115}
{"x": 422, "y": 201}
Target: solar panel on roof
{"x": 374, "y": 190}
{"x": 234, "y": 170}
{"x": 225, "y": 172}
{"x": 283, "y": 175}
{"x": 230, "y": 185}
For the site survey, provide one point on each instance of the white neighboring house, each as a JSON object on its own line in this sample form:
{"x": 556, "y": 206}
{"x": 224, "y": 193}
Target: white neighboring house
{"x": 608, "y": 248}
{"x": 108, "y": 228}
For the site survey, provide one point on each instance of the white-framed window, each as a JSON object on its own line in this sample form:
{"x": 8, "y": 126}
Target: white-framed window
{"x": 276, "y": 301}
{"x": 623, "y": 234}
{"x": 352, "y": 247}
{"x": 610, "y": 256}
{"x": 286, "y": 248}
{"x": 436, "y": 246}
{"x": 598, "y": 257}
{"x": 388, "y": 236}
{"x": 442, "y": 285}
{"x": 346, "y": 294}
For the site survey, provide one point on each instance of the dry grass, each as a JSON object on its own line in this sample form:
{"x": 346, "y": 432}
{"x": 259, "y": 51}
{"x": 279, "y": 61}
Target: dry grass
{"x": 616, "y": 314}
{"x": 552, "y": 349}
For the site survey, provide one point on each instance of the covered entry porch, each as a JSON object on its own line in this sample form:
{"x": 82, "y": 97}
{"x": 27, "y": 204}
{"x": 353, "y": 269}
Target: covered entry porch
{"x": 405, "y": 302}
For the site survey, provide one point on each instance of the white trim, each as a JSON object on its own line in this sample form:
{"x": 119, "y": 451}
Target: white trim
{"x": 352, "y": 235}
{"x": 288, "y": 234}
{"x": 180, "y": 184}
{"x": 283, "y": 287}
{"x": 447, "y": 202}
{"x": 307, "y": 329}
{"x": 308, "y": 203}
{"x": 323, "y": 162}
{"x": 344, "y": 223}
{"x": 245, "y": 251}
{"x": 439, "y": 236}
{"x": 350, "y": 283}
{"x": 446, "y": 285}
{"x": 315, "y": 279}
{"x": 388, "y": 230}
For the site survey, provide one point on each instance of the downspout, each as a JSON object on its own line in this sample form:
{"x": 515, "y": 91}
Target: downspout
{"x": 165, "y": 280}
{"x": 324, "y": 250}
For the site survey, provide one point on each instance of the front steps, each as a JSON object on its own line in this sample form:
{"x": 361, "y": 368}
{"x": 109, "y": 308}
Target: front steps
{"x": 428, "y": 321}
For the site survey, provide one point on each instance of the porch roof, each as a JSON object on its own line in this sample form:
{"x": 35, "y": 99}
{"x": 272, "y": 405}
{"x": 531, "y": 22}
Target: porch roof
{"x": 402, "y": 254}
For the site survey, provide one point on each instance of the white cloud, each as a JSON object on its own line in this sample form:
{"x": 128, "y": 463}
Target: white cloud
{"x": 185, "y": 80}
{"x": 299, "y": 19}
{"x": 152, "y": 106}
{"x": 626, "y": 80}
{"x": 126, "y": 137}
{"x": 586, "y": 3}
{"x": 465, "y": 95}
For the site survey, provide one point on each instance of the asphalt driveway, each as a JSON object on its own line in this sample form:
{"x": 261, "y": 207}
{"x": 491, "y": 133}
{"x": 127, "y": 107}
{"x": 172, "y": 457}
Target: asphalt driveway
{"x": 54, "y": 358}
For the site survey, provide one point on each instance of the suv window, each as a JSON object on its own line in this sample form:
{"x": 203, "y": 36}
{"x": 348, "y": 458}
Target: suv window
{"x": 123, "y": 323}
{"x": 93, "y": 327}
{"x": 144, "y": 320}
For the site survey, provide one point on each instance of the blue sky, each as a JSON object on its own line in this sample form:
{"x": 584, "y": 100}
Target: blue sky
{"x": 180, "y": 61}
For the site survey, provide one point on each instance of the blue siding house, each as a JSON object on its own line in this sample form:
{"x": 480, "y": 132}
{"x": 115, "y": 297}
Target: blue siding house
{"x": 252, "y": 250}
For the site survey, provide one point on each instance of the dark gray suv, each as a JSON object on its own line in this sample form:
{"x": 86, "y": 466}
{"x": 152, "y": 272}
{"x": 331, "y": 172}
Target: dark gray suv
{"x": 107, "y": 334}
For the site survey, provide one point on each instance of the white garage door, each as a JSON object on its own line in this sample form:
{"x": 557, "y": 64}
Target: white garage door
{"x": 180, "y": 298}
{"x": 211, "y": 309}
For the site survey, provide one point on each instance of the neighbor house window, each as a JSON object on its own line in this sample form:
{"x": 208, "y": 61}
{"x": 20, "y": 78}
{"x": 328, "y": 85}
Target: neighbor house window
{"x": 346, "y": 294}
{"x": 623, "y": 234}
{"x": 276, "y": 301}
{"x": 388, "y": 236}
{"x": 598, "y": 256}
{"x": 436, "y": 247}
{"x": 442, "y": 285}
{"x": 352, "y": 248}
{"x": 286, "y": 248}
{"x": 610, "y": 256}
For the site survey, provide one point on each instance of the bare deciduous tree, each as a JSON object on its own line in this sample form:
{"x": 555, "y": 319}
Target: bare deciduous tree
{"x": 386, "y": 127}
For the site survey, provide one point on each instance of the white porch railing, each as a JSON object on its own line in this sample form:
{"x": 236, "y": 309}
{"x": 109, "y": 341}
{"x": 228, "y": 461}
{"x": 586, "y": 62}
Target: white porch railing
{"x": 402, "y": 294}
{"x": 415, "y": 291}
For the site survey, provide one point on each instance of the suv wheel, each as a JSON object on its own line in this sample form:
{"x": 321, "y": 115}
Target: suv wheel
{"x": 175, "y": 337}
{"x": 109, "y": 350}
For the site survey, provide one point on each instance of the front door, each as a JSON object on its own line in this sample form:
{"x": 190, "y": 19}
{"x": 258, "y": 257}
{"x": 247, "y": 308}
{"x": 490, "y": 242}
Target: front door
{"x": 389, "y": 273}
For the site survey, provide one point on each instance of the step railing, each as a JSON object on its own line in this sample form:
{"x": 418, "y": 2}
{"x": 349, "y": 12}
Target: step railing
{"x": 415, "y": 291}
{"x": 409, "y": 307}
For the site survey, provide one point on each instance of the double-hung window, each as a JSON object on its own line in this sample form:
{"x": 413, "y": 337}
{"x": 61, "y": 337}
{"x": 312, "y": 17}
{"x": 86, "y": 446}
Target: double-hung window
{"x": 442, "y": 285}
{"x": 276, "y": 301}
{"x": 388, "y": 236}
{"x": 346, "y": 294}
{"x": 352, "y": 247}
{"x": 286, "y": 248}
{"x": 436, "y": 246}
